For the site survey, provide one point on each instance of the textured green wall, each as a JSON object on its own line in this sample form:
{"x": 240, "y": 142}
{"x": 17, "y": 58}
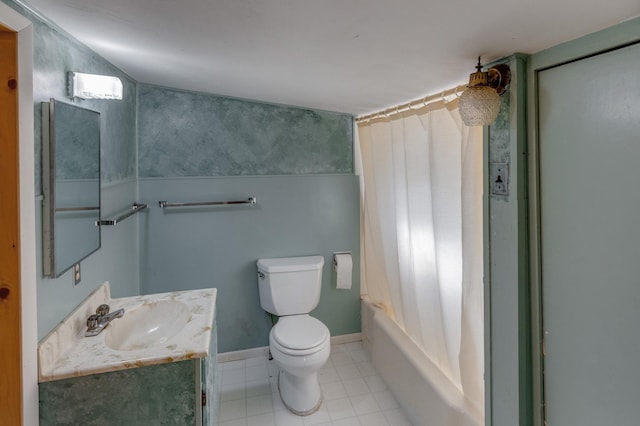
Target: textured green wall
{"x": 194, "y": 134}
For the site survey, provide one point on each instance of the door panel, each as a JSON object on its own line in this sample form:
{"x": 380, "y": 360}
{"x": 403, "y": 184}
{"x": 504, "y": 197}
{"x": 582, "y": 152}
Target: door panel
{"x": 589, "y": 155}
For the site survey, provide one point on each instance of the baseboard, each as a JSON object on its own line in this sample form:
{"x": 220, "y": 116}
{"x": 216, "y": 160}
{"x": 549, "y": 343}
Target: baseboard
{"x": 264, "y": 351}
{"x": 243, "y": 354}
{"x": 346, "y": 338}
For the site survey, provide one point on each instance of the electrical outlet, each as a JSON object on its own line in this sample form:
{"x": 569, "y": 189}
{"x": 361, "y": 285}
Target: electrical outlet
{"x": 76, "y": 274}
{"x": 499, "y": 178}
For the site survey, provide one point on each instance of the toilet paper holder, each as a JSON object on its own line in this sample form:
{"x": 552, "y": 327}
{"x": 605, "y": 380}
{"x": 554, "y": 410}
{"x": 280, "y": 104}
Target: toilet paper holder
{"x": 335, "y": 261}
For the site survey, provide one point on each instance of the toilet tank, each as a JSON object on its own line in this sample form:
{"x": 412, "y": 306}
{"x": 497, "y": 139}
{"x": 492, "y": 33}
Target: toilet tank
{"x": 290, "y": 285}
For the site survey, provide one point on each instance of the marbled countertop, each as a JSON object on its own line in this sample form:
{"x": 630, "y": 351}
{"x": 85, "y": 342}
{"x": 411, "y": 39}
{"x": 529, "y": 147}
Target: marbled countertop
{"x": 66, "y": 352}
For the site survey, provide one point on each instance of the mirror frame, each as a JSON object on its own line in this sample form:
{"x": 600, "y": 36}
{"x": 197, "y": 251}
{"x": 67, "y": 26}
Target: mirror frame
{"x": 48, "y": 190}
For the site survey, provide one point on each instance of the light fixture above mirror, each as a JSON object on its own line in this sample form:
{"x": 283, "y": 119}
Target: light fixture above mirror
{"x": 94, "y": 86}
{"x": 480, "y": 102}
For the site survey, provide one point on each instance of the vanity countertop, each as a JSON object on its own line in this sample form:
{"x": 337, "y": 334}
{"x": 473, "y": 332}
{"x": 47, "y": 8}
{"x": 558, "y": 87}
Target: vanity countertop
{"x": 66, "y": 352}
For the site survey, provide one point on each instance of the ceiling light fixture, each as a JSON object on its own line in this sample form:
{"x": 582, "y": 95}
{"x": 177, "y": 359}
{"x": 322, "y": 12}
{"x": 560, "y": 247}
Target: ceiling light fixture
{"x": 480, "y": 103}
{"x": 94, "y": 86}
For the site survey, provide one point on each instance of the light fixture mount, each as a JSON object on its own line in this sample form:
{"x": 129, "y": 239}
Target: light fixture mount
{"x": 499, "y": 77}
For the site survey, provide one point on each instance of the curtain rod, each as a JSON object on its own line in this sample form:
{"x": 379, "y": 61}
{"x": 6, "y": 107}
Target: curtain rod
{"x": 423, "y": 102}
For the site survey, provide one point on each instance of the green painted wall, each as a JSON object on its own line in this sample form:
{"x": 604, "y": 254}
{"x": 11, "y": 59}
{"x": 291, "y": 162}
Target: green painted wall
{"x": 218, "y": 246}
{"x": 506, "y": 274}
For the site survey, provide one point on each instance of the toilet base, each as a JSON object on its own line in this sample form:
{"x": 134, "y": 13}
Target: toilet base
{"x": 301, "y": 395}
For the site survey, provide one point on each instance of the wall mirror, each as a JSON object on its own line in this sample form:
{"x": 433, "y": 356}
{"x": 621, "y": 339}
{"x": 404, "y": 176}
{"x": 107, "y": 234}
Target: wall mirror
{"x": 70, "y": 185}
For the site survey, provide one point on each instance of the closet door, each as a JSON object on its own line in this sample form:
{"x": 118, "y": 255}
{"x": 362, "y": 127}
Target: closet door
{"x": 589, "y": 167}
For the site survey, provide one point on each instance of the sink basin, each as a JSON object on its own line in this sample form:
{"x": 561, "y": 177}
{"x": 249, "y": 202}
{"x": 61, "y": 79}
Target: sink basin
{"x": 155, "y": 329}
{"x": 148, "y": 325}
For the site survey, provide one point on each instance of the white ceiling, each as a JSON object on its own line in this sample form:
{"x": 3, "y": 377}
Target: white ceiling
{"x": 353, "y": 56}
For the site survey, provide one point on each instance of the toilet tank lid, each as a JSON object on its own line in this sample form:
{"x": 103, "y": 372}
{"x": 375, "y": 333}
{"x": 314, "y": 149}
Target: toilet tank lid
{"x": 291, "y": 264}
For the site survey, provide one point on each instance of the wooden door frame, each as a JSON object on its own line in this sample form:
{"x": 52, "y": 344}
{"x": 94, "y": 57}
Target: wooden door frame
{"x": 14, "y": 21}
{"x": 611, "y": 38}
{"x": 10, "y": 301}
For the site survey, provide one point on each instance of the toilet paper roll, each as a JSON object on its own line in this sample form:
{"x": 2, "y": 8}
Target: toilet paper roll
{"x": 344, "y": 267}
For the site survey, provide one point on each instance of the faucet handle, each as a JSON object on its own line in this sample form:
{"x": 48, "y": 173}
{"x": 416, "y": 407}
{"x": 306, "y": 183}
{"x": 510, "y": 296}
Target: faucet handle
{"x": 92, "y": 321}
{"x": 102, "y": 310}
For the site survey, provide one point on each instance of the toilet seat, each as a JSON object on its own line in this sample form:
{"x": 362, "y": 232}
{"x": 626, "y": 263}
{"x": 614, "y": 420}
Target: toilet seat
{"x": 299, "y": 335}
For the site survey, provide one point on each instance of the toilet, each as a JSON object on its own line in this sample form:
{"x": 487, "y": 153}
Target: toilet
{"x": 299, "y": 343}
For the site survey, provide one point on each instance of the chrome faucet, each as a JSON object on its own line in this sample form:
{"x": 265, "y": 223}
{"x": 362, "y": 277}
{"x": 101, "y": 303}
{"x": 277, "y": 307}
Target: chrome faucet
{"x": 98, "y": 321}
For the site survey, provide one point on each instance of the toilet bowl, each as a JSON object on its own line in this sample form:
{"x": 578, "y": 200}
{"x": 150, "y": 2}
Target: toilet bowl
{"x": 300, "y": 346}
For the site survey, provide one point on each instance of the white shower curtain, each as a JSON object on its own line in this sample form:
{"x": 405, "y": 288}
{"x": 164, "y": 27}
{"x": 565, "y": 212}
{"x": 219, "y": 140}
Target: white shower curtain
{"x": 422, "y": 234}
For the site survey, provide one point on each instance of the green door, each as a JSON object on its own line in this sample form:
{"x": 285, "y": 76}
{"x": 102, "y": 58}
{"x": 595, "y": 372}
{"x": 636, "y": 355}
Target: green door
{"x": 589, "y": 159}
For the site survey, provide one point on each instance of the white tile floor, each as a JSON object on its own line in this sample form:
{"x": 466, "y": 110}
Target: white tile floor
{"x": 354, "y": 393}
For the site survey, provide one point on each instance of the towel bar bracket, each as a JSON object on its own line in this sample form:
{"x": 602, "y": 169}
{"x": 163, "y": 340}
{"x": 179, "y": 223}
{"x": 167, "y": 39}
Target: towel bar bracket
{"x": 135, "y": 208}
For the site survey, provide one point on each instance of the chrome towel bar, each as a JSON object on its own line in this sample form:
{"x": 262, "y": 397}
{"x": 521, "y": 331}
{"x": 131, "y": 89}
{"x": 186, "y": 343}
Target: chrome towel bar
{"x": 135, "y": 208}
{"x": 250, "y": 200}
{"x": 77, "y": 209}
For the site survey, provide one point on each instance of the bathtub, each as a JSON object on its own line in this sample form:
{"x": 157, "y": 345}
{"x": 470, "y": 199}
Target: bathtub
{"x": 427, "y": 395}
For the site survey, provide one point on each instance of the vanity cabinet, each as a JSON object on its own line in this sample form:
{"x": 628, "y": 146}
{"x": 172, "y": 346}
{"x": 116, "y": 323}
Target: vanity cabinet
{"x": 172, "y": 393}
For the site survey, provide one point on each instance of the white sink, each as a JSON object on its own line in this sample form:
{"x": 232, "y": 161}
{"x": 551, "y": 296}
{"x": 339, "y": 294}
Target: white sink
{"x": 155, "y": 329}
{"x": 149, "y": 325}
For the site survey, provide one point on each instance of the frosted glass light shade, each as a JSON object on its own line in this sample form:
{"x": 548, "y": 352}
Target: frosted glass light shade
{"x": 479, "y": 106}
{"x": 94, "y": 86}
